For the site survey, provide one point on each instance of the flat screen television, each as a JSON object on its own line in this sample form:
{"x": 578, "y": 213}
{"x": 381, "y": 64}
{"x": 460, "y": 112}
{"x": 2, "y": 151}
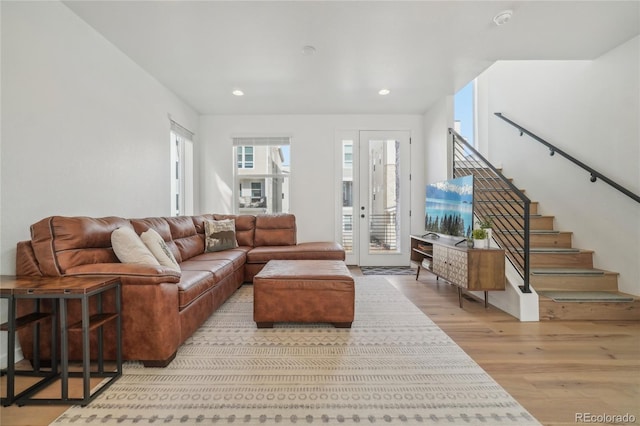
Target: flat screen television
{"x": 449, "y": 207}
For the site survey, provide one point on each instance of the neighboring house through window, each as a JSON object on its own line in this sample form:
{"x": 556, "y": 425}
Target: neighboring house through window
{"x": 347, "y": 195}
{"x": 245, "y": 157}
{"x": 262, "y": 174}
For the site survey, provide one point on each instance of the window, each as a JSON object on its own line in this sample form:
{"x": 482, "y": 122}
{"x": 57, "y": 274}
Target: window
{"x": 347, "y": 193}
{"x": 181, "y": 146}
{"x": 348, "y": 155}
{"x": 253, "y": 196}
{"x": 465, "y": 113}
{"x": 262, "y": 174}
{"x": 245, "y": 157}
{"x": 256, "y": 190}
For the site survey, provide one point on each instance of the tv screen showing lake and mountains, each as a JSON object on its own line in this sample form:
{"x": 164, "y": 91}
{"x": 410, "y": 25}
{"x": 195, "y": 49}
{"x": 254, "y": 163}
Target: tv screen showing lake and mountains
{"x": 449, "y": 207}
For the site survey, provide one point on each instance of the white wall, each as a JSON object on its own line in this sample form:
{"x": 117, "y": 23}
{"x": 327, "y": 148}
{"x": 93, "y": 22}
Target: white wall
{"x": 313, "y": 188}
{"x": 437, "y": 121}
{"x": 589, "y": 109}
{"x": 85, "y": 131}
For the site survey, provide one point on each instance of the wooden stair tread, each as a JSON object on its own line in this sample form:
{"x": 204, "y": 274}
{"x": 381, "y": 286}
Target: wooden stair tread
{"x": 579, "y": 281}
{"x": 600, "y": 310}
{"x": 532, "y": 231}
{"x": 493, "y": 214}
{"x": 503, "y": 201}
{"x": 495, "y": 188}
{"x": 589, "y": 311}
{"x": 553, "y": 250}
{"x": 571, "y": 271}
{"x": 531, "y": 215}
{"x": 581, "y": 296}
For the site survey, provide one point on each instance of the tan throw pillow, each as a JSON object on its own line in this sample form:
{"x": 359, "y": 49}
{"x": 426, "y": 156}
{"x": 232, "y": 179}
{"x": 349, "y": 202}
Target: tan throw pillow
{"x": 156, "y": 244}
{"x": 220, "y": 234}
{"x": 129, "y": 248}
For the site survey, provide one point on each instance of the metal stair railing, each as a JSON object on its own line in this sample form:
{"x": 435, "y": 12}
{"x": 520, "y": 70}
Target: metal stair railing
{"x": 594, "y": 174}
{"x": 497, "y": 200}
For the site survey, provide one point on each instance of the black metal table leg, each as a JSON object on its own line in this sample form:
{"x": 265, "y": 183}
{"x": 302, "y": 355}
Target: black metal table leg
{"x": 11, "y": 352}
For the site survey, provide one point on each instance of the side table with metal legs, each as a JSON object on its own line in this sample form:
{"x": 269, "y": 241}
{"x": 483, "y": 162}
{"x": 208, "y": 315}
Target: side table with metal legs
{"x": 59, "y": 290}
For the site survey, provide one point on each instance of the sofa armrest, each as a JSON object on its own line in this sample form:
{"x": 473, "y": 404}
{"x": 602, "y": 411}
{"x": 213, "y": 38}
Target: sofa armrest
{"x": 26, "y": 263}
{"x": 128, "y": 272}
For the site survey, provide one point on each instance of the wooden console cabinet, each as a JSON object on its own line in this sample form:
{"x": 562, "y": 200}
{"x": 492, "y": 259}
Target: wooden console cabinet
{"x": 467, "y": 268}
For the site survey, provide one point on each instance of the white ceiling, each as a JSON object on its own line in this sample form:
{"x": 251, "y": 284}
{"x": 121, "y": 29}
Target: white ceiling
{"x": 420, "y": 50}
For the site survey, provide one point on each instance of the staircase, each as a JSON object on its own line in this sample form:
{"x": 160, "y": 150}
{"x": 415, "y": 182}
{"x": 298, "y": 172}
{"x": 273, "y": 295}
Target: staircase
{"x": 568, "y": 286}
{"x": 557, "y": 269}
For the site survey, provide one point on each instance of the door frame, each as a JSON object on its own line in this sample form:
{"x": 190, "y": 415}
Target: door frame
{"x": 358, "y": 255}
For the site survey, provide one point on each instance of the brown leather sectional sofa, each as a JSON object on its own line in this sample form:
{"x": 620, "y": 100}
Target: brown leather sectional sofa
{"x": 161, "y": 308}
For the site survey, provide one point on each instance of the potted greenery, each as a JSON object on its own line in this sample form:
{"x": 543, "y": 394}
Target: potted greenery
{"x": 486, "y": 224}
{"x": 480, "y": 238}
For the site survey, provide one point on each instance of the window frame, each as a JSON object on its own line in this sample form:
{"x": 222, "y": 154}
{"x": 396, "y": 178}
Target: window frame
{"x": 181, "y": 170}
{"x": 243, "y": 162}
{"x": 270, "y": 169}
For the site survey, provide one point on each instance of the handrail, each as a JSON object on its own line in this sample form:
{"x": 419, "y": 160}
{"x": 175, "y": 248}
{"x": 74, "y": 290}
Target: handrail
{"x": 497, "y": 198}
{"x": 595, "y": 175}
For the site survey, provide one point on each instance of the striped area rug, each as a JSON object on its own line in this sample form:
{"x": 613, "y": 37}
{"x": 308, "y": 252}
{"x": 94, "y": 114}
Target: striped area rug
{"x": 393, "y": 367}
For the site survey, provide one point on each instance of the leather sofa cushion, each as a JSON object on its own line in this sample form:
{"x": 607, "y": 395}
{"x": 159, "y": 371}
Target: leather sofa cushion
{"x": 192, "y": 285}
{"x": 304, "y": 251}
{"x": 62, "y": 242}
{"x": 275, "y": 230}
{"x": 161, "y": 226}
{"x": 237, "y": 256}
{"x": 219, "y": 268}
{"x": 198, "y": 222}
{"x": 245, "y": 227}
{"x": 184, "y": 235}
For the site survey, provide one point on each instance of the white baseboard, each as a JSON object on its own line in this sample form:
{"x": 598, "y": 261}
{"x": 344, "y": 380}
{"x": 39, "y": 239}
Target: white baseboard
{"x": 4, "y": 359}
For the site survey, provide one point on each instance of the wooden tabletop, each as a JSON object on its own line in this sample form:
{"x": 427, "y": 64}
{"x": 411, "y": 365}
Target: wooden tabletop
{"x": 17, "y": 285}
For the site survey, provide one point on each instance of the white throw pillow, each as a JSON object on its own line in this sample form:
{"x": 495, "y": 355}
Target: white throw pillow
{"x": 156, "y": 244}
{"x": 129, "y": 248}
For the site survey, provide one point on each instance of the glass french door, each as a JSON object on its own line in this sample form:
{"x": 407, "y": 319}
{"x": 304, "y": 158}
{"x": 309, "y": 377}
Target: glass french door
{"x": 375, "y": 198}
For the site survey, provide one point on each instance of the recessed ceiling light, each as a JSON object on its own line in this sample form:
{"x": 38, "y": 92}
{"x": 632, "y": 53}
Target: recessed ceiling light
{"x": 238, "y": 92}
{"x": 502, "y": 17}
{"x": 308, "y": 50}
{"x": 384, "y": 92}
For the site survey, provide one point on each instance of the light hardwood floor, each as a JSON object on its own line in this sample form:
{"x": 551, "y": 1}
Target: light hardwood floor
{"x": 556, "y": 370}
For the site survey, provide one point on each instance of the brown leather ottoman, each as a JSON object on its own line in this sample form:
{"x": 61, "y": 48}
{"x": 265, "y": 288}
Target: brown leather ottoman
{"x": 304, "y": 291}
